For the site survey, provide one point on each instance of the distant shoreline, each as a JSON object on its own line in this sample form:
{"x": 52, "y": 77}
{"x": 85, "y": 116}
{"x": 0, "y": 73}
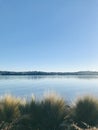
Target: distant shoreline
{"x": 48, "y": 73}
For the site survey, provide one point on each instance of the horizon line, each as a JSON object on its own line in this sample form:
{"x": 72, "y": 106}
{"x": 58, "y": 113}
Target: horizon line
{"x": 48, "y": 71}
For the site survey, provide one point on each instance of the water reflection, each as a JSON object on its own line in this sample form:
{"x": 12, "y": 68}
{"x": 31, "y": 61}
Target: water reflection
{"x": 67, "y": 86}
{"x": 35, "y": 77}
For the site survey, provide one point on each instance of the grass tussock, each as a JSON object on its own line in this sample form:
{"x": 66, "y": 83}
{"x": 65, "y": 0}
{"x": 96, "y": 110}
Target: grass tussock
{"x": 50, "y": 113}
{"x": 86, "y": 111}
{"x": 9, "y": 108}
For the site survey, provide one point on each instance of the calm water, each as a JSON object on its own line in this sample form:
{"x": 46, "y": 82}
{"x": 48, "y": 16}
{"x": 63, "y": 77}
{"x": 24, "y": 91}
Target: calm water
{"x": 68, "y": 87}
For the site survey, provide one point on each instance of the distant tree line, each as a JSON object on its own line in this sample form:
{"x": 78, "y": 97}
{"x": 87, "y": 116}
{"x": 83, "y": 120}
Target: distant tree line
{"x": 48, "y": 73}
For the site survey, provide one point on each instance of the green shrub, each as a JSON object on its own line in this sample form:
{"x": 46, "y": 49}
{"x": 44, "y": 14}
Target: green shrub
{"x": 86, "y": 111}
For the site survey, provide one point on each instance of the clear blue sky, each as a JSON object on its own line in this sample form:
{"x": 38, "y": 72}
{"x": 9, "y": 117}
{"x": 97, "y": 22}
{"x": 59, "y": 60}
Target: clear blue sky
{"x": 49, "y": 35}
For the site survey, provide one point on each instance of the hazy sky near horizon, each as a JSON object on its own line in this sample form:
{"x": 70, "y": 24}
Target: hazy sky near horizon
{"x": 49, "y": 35}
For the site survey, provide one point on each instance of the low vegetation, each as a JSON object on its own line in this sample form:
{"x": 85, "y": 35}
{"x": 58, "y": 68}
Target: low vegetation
{"x": 50, "y": 113}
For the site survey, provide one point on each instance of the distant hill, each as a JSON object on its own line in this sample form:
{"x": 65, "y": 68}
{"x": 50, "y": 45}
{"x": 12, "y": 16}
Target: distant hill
{"x": 48, "y": 73}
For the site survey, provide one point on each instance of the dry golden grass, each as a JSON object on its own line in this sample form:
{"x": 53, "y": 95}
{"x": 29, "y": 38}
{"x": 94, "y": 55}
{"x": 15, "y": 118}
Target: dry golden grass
{"x": 50, "y": 113}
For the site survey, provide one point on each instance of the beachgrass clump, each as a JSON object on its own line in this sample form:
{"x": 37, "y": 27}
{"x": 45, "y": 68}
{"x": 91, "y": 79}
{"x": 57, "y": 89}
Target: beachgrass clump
{"x": 54, "y": 110}
{"x": 85, "y": 111}
{"x": 50, "y": 113}
{"x": 9, "y": 108}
